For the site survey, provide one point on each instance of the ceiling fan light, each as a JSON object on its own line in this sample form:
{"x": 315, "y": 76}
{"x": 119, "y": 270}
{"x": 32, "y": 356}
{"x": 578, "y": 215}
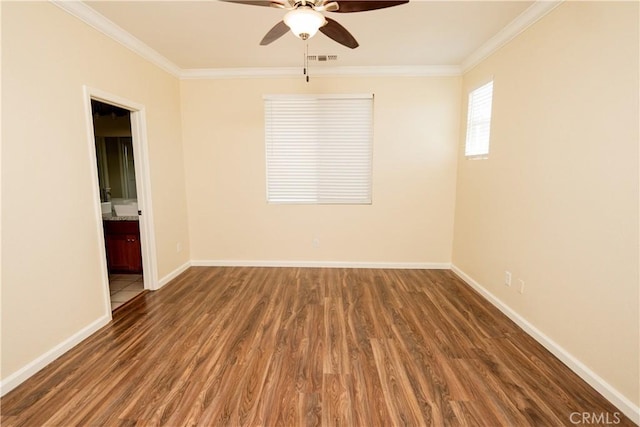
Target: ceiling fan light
{"x": 304, "y": 22}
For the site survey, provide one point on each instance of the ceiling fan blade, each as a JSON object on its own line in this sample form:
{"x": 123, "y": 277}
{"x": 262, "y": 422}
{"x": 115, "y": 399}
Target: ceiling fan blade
{"x": 275, "y": 33}
{"x": 266, "y": 3}
{"x": 348, "y": 6}
{"x": 337, "y": 32}
{"x": 327, "y": 6}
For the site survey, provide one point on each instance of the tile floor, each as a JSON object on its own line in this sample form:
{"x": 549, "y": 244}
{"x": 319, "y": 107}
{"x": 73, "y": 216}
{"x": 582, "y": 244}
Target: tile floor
{"x": 123, "y": 287}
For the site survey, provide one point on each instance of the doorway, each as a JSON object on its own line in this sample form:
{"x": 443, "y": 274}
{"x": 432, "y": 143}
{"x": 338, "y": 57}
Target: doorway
{"x": 123, "y": 203}
{"x": 115, "y": 163}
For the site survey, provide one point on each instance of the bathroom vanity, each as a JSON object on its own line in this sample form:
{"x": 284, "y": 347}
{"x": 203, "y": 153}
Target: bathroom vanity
{"x": 122, "y": 240}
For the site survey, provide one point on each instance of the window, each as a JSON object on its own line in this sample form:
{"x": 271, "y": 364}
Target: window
{"x": 319, "y": 148}
{"x": 479, "y": 121}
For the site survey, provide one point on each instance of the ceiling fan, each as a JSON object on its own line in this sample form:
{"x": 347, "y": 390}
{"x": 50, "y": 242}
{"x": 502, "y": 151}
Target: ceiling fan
{"x": 305, "y": 19}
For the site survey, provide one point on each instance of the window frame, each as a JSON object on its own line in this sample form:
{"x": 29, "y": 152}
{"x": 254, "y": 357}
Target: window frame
{"x": 476, "y": 102}
{"x": 347, "y": 188}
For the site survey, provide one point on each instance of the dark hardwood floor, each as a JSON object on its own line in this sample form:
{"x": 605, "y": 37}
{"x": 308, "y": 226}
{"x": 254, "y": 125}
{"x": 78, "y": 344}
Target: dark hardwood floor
{"x": 296, "y": 346}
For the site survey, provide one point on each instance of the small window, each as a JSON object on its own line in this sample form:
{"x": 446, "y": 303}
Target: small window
{"x": 479, "y": 121}
{"x": 319, "y": 148}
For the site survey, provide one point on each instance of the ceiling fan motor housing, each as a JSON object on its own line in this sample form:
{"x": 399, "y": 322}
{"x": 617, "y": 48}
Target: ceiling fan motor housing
{"x": 304, "y": 21}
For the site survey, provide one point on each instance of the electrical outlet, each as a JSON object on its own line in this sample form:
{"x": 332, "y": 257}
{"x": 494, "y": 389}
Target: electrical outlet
{"x": 521, "y": 285}
{"x": 507, "y": 278}
{"x": 179, "y": 247}
{"x": 315, "y": 242}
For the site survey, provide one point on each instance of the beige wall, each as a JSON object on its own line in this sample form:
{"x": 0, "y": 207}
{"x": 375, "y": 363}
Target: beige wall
{"x": 556, "y": 203}
{"x": 415, "y": 147}
{"x": 51, "y": 277}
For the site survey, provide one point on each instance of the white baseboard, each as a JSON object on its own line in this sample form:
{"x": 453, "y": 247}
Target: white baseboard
{"x": 30, "y": 369}
{"x": 321, "y": 264}
{"x": 175, "y": 273}
{"x": 24, "y": 373}
{"x": 625, "y": 405}
{"x": 609, "y": 392}
{"x": 18, "y": 377}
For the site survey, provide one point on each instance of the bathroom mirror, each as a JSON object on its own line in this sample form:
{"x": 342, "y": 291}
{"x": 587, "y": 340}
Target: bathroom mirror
{"x": 116, "y": 171}
{"x": 114, "y": 152}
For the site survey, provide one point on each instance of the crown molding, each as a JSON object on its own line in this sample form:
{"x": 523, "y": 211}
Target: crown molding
{"x": 96, "y": 20}
{"x": 239, "y": 73}
{"x": 110, "y": 29}
{"x": 284, "y": 72}
{"x": 91, "y": 17}
{"x": 523, "y": 21}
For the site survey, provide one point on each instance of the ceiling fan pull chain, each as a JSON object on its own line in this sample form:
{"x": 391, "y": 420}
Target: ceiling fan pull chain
{"x": 306, "y": 60}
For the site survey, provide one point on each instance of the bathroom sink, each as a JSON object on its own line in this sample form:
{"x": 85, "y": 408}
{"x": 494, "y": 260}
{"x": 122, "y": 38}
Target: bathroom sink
{"x": 129, "y": 209}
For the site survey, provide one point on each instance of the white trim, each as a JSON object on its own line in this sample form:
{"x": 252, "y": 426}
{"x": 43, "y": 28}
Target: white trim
{"x": 323, "y": 264}
{"x": 238, "y": 73}
{"x": 594, "y": 380}
{"x": 31, "y": 368}
{"x": 97, "y": 211}
{"x": 285, "y": 72}
{"x": 175, "y": 273}
{"x": 523, "y": 21}
{"x": 143, "y": 189}
{"x": 143, "y": 183}
{"x": 98, "y": 21}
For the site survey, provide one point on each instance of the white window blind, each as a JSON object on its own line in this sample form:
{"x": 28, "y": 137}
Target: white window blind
{"x": 319, "y": 148}
{"x": 479, "y": 121}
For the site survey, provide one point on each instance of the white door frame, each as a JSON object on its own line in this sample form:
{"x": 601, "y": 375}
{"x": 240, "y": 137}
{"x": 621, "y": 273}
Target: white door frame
{"x": 143, "y": 185}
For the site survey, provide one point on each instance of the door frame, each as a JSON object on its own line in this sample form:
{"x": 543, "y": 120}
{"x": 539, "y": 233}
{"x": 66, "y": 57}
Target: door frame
{"x": 137, "y": 114}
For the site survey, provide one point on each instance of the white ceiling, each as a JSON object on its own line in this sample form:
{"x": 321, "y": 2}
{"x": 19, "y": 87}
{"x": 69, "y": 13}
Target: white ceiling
{"x": 210, "y": 34}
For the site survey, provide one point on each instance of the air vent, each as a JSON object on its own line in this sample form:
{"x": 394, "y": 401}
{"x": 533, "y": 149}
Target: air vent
{"x": 322, "y": 58}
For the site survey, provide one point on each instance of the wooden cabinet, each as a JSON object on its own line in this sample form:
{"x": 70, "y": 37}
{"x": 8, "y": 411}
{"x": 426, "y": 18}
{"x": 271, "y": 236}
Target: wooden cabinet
{"x": 122, "y": 240}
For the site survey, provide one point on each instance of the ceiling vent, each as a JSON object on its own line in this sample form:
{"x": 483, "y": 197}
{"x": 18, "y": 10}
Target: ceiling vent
{"x": 322, "y": 58}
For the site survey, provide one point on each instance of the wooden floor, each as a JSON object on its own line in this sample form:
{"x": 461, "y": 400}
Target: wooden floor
{"x": 292, "y": 346}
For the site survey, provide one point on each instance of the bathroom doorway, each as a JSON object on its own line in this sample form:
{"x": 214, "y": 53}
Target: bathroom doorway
{"x": 120, "y": 159}
{"x": 115, "y": 162}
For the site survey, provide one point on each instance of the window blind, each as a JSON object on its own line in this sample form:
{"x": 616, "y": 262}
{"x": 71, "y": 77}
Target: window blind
{"x": 319, "y": 148}
{"x": 479, "y": 121}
